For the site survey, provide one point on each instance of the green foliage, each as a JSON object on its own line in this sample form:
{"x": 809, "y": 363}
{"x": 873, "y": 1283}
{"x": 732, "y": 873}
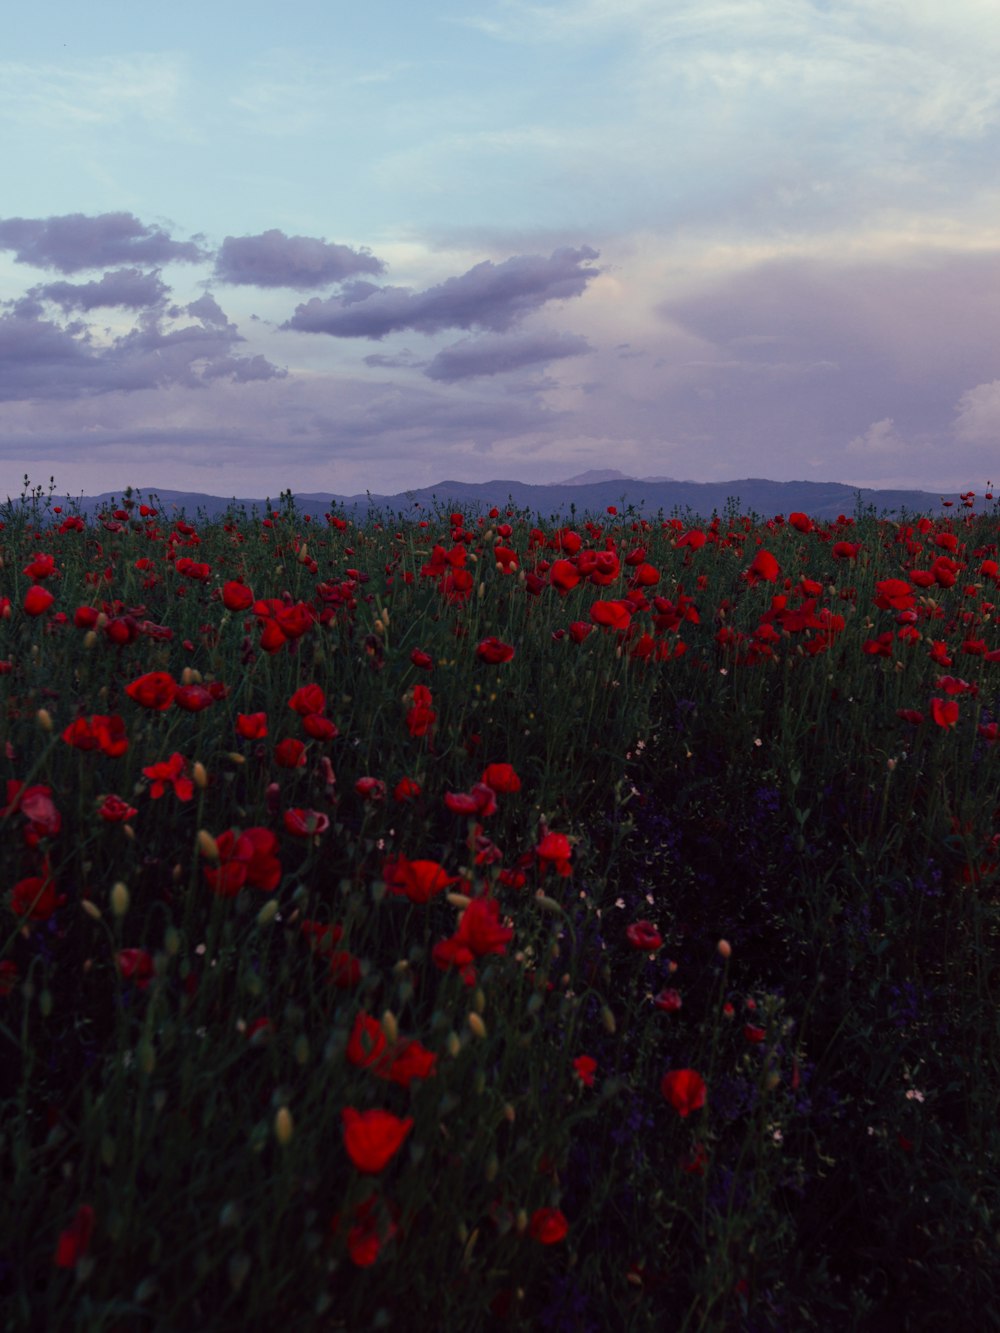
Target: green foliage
{"x": 184, "y": 975}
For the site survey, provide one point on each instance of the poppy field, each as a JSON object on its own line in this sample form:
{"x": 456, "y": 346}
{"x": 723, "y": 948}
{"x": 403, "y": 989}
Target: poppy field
{"x": 466, "y": 920}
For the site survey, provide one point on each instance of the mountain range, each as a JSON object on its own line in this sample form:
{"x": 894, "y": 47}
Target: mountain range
{"x": 588, "y": 493}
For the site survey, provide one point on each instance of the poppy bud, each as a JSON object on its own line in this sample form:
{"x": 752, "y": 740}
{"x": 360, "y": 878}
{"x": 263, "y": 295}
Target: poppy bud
{"x": 92, "y": 910}
{"x": 476, "y": 1024}
{"x": 453, "y": 1044}
{"x": 283, "y": 1126}
{"x": 89, "y": 639}
{"x": 725, "y": 949}
{"x": 44, "y": 719}
{"x": 208, "y": 847}
{"x": 608, "y": 1019}
{"x": 268, "y": 912}
{"x": 479, "y": 1001}
{"x": 120, "y": 899}
{"x": 199, "y": 774}
{"x": 390, "y": 1027}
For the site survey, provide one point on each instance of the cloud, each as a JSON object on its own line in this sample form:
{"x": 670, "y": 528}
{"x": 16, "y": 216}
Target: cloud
{"x": 273, "y": 259}
{"x": 881, "y": 439}
{"x": 129, "y": 288}
{"x": 497, "y": 354}
{"x": 489, "y": 296}
{"x": 74, "y": 242}
{"x": 978, "y": 414}
{"x": 41, "y": 359}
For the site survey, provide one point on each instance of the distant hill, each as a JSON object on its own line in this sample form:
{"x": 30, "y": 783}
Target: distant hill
{"x": 560, "y": 500}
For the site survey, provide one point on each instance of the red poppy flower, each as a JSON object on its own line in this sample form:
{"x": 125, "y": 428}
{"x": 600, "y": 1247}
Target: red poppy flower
{"x": 480, "y": 930}
{"x": 579, "y": 630}
{"x": 236, "y": 596}
{"x": 480, "y": 802}
{"x": 308, "y": 699}
{"x": 98, "y": 733}
{"x": 371, "y": 1228}
{"x": 35, "y": 803}
{"x": 372, "y": 1138}
{"x": 846, "y": 550}
{"x": 548, "y": 1226}
{"x": 75, "y": 1240}
{"x": 370, "y": 789}
{"x": 290, "y": 753}
{"x": 36, "y": 898}
{"x": 684, "y": 1089}
{"x": 305, "y": 823}
{"x": 420, "y": 881}
{"x": 193, "y": 698}
{"x": 421, "y": 717}
{"x": 564, "y": 576}
{"x": 585, "y": 1066}
{"x": 171, "y": 772}
{"x": 944, "y": 712}
{"x": 763, "y": 566}
{"x": 155, "y": 690}
{"x": 644, "y": 936}
{"x": 37, "y": 600}
{"x": 251, "y": 726}
{"x": 555, "y": 850}
{"x": 245, "y": 858}
{"x": 613, "y": 615}
{"x": 894, "y": 594}
{"x": 501, "y": 778}
{"x": 406, "y": 789}
{"x": 135, "y": 965}
{"x": 113, "y": 810}
{"x": 422, "y": 660}
{"x": 319, "y": 728}
{"x": 669, "y": 1000}
{"x": 40, "y": 568}
{"x": 494, "y": 651}
{"x": 367, "y": 1041}
{"x": 405, "y": 1061}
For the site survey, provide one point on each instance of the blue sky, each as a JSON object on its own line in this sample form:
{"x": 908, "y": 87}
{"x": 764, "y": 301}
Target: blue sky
{"x": 244, "y": 248}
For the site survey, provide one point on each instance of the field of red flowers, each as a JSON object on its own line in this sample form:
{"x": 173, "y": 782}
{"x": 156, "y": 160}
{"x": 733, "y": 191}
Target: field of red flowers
{"x": 473, "y": 921}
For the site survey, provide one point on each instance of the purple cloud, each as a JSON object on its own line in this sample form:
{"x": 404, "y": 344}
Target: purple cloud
{"x": 497, "y": 354}
{"x": 74, "y": 242}
{"x": 40, "y": 359}
{"x": 489, "y": 296}
{"x": 273, "y": 259}
{"x": 127, "y": 287}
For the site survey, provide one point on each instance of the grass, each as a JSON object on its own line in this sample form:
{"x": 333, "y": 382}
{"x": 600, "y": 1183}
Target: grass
{"x": 288, "y": 1038}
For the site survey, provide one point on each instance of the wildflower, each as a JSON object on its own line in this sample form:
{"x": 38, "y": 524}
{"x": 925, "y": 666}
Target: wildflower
{"x": 612, "y": 615}
{"x": 155, "y": 690}
{"x": 367, "y": 1042}
{"x": 251, "y": 726}
{"x": 501, "y": 778}
{"x": 244, "y": 858}
{"x": 555, "y": 850}
{"x": 548, "y": 1226}
{"x": 305, "y": 823}
{"x": 480, "y": 802}
{"x": 944, "y": 712}
{"x": 585, "y": 1066}
{"x": 307, "y": 699}
{"x": 669, "y": 1000}
{"x": 406, "y": 789}
{"x": 684, "y": 1089}
{"x": 135, "y": 965}
{"x": 37, "y": 600}
{"x": 75, "y": 1240}
{"x": 236, "y": 596}
{"x": 171, "y": 773}
{"x": 372, "y": 1138}
{"x": 290, "y": 753}
{"x": 421, "y": 717}
{"x": 644, "y": 936}
{"x": 370, "y": 789}
{"x": 113, "y": 810}
{"x": 494, "y": 651}
{"x": 480, "y": 930}
{"x": 36, "y": 898}
{"x": 420, "y": 881}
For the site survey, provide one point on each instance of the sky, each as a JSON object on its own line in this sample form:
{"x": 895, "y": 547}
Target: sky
{"x": 247, "y": 248}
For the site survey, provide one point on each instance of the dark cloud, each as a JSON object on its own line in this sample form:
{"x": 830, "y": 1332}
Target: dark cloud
{"x": 41, "y": 359}
{"x": 129, "y": 288}
{"x": 489, "y": 296}
{"x": 273, "y": 259}
{"x": 497, "y": 354}
{"x": 75, "y": 242}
